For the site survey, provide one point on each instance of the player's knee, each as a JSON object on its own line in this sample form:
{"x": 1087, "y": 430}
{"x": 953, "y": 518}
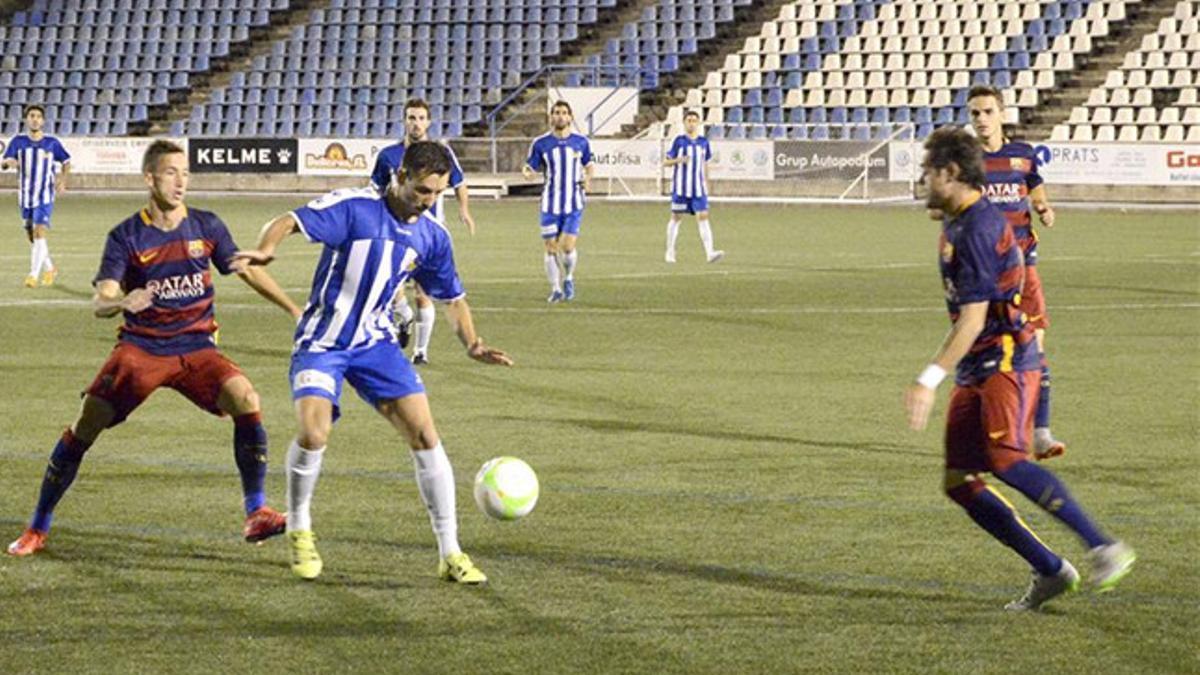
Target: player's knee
{"x": 95, "y": 416}
{"x": 313, "y": 437}
{"x": 39, "y": 231}
{"x": 961, "y": 487}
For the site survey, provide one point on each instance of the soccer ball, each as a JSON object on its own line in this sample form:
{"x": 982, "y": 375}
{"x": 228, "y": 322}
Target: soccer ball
{"x": 506, "y": 488}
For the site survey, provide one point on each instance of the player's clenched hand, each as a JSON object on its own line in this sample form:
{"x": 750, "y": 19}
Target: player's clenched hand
{"x": 243, "y": 259}
{"x": 918, "y": 401}
{"x": 485, "y": 354}
{"x": 936, "y": 214}
{"x": 137, "y": 300}
{"x": 1045, "y": 213}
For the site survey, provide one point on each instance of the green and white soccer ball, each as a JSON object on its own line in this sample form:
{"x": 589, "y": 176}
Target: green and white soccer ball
{"x": 506, "y": 488}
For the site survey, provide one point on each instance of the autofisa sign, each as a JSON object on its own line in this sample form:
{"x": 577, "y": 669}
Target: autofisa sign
{"x": 243, "y": 155}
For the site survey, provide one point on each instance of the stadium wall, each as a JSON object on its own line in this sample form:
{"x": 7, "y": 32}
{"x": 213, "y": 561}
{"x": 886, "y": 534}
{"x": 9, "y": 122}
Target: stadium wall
{"x": 1152, "y": 173}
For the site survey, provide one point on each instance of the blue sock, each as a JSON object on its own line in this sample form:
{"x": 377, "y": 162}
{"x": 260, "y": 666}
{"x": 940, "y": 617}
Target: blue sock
{"x": 1041, "y": 418}
{"x": 250, "y": 453}
{"x": 60, "y": 473}
{"x": 996, "y": 516}
{"x": 1044, "y": 488}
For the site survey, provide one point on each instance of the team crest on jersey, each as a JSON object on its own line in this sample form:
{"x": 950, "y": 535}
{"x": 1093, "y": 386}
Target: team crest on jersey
{"x": 196, "y": 248}
{"x": 947, "y": 252}
{"x": 1018, "y": 164}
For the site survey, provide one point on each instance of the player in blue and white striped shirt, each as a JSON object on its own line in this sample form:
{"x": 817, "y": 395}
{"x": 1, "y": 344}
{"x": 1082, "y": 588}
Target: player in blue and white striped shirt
{"x": 690, "y": 154}
{"x": 372, "y": 244}
{"x": 39, "y": 160}
{"x": 416, "y": 129}
{"x": 565, "y": 158}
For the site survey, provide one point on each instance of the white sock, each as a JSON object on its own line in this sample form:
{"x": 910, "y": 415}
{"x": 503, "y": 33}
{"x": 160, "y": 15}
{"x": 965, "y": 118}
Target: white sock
{"x": 37, "y": 254}
{"x": 47, "y": 263}
{"x": 425, "y": 318}
{"x": 705, "y": 235}
{"x": 303, "y": 467}
{"x": 569, "y": 260}
{"x": 552, "y": 272}
{"x": 435, "y": 480}
{"x": 672, "y": 235}
{"x": 401, "y": 308}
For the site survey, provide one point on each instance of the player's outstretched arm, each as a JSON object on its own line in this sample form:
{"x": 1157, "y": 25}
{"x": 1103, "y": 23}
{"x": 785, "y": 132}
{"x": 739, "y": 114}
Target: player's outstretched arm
{"x": 109, "y": 301}
{"x": 269, "y": 239}
{"x": 265, "y": 285}
{"x": 919, "y": 397}
{"x": 464, "y": 327}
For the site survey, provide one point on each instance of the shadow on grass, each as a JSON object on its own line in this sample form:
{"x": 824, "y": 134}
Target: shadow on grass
{"x": 71, "y": 291}
{"x": 628, "y": 426}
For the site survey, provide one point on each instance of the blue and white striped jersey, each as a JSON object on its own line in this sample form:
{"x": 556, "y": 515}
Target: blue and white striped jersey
{"x": 368, "y": 254}
{"x": 389, "y": 160}
{"x": 562, "y": 160}
{"x": 38, "y": 164}
{"x": 688, "y": 179}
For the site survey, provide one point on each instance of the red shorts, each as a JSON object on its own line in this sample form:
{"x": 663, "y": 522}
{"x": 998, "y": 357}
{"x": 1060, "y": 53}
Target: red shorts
{"x": 1033, "y": 302}
{"x": 131, "y": 374}
{"x": 989, "y": 427}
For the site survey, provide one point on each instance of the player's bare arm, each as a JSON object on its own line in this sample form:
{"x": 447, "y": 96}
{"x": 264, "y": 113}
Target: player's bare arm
{"x": 682, "y": 159}
{"x": 269, "y": 239}
{"x": 587, "y": 176}
{"x": 1041, "y": 205}
{"x": 464, "y": 209}
{"x": 110, "y": 301}
{"x": 60, "y": 183}
{"x": 919, "y": 397}
{"x": 265, "y": 285}
{"x": 464, "y": 326}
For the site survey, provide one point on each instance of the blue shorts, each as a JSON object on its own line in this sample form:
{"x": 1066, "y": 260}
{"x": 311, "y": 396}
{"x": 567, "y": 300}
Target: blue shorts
{"x": 38, "y": 215}
{"x": 555, "y": 225}
{"x": 692, "y": 205}
{"x": 378, "y": 373}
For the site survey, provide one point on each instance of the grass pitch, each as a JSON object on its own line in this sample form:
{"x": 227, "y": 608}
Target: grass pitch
{"x": 728, "y": 485}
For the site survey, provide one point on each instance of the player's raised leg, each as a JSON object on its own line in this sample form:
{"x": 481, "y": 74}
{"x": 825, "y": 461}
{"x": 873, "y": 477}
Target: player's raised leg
{"x": 240, "y": 401}
{"x": 553, "y": 273}
{"x": 94, "y": 416}
{"x": 567, "y": 243}
{"x": 435, "y": 481}
{"x": 305, "y": 454}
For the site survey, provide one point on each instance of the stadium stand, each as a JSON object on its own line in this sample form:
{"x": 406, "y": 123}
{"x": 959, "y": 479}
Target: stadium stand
{"x": 107, "y": 67}
{"x": 1152, "y": 96}
{"x": 99, "y": 65}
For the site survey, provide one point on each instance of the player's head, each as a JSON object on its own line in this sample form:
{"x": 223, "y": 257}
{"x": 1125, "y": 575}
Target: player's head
{"x": 35, "y": 117}
{"x": 165, "y": 169}
{"x": 416, "y": 119}
{"x": 691, "y": 122}
{"x": 423, "y": 175}
{"x": 561, "y": 115}
{"x": 953, "y": 163}
{"x": 985, "y": 105}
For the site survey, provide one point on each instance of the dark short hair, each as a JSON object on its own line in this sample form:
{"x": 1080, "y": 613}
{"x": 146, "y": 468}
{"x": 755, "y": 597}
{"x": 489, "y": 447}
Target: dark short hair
{"x": 691, "y": 113}
{"x": 985, "y": 90}
{"x": 562, "y": 104}
{"x": 424, "y": 158}
{"x": 30, "y": 108}
{"x": 157, "y": 150}
{"x": 417, "y": 103}
{"x": 953, "y": 145}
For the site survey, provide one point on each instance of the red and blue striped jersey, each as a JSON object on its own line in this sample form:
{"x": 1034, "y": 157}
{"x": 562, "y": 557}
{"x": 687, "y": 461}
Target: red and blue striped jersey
{"x": 175, "y": 267}
{"x": 1012, "y": 173}
{"x": 981, "y": 261}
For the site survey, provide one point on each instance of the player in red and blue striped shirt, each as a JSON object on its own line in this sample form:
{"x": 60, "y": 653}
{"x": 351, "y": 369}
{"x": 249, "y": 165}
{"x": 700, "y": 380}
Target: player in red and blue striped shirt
{"x": 993, "y": 352}
{"x": 156, "y": 272}
{"x": 1017, "y": 189}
